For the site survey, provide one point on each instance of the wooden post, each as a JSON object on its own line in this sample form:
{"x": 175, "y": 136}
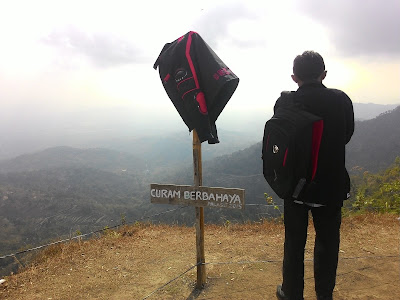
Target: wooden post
{"x": 198, "y": 181}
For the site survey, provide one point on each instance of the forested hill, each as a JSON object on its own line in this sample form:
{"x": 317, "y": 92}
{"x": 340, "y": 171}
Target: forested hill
{"x": 367, "y": 111}
{"x": 376, "y": 142}
{"x": 374, "y": 146}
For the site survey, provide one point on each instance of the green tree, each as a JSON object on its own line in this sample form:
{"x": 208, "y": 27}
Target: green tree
{"x": 380, "y": 192}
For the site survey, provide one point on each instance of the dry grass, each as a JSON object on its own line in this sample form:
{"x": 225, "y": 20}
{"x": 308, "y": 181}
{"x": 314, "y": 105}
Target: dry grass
{"x": 243, "y": 262}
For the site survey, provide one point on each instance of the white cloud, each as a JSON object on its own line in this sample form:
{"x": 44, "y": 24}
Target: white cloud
{"x": 359, "y": 27}
{"x": 104, "y": 50}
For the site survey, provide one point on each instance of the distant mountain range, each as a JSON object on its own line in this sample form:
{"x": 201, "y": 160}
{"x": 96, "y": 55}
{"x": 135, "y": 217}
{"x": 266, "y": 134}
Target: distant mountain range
{"x": 377, "y": 138}
{"x": 367, "y": 111}
{"x": 176, "y": 148}
{"x": 18, "y": 140}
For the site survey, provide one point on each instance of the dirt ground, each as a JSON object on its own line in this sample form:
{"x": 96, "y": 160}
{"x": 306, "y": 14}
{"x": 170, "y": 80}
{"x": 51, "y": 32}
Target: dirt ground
{"x": 242, "y": 262}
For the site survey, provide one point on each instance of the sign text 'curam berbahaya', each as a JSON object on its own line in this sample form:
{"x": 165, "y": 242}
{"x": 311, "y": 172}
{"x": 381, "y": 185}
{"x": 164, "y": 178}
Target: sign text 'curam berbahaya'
{"x": 200, "y": 196}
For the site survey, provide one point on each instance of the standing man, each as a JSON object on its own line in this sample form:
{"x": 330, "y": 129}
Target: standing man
{"x": 331, "y": 184}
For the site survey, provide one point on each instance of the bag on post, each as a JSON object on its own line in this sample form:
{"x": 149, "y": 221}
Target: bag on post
{"x": 291, "y": 142}
{"x": 198, "y": 83}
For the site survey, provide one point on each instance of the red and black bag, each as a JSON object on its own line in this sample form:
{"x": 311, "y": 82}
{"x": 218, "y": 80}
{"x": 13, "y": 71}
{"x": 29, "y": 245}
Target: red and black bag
{"x": 291, "y": 142}
{"x": 197, "y": 81}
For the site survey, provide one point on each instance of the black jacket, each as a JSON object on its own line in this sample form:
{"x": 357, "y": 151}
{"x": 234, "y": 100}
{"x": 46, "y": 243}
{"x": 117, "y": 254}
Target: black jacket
{"x": 197, "y": 81}
{"x": 331, "y": 183}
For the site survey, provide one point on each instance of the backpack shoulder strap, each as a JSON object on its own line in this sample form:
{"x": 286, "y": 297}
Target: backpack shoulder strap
{"x": 288, "y": 100}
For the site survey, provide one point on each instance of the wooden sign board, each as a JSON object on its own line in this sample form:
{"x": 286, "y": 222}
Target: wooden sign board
{"x": 200, "y": 196}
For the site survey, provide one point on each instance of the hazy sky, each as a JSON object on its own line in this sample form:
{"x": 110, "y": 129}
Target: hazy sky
{"x": 88, "y": 64}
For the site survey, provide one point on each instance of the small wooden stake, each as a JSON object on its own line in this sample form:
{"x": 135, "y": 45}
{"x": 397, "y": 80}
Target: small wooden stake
{"x": 198, "y": 181}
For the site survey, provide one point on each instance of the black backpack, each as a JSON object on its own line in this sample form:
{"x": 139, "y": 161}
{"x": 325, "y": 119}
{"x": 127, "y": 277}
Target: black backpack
{"x": 290, "y": 148}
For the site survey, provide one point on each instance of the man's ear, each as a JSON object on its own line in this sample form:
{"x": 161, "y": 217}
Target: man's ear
{"x": 323, "y": 75}
{"x": 295, "y": 79}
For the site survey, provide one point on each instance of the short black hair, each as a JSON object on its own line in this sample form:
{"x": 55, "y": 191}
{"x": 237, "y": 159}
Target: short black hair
{"x": 308, "y": 66}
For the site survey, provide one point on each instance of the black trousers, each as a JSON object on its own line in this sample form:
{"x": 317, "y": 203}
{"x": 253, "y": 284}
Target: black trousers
{"x": 327, "y": 221}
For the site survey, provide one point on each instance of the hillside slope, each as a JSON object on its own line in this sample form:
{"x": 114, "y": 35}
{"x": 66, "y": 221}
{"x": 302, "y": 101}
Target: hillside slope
{"x": 375, "y": 143}
{"x": 243, "y": 262}
{"x": 41, "y": 205}
{"x": 367, "y": 111}
{"x": 67, "y": 157}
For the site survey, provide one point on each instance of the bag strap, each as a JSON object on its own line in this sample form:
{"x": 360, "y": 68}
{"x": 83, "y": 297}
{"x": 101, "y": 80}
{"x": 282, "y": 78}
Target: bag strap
{"x": 290, "y": 100}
